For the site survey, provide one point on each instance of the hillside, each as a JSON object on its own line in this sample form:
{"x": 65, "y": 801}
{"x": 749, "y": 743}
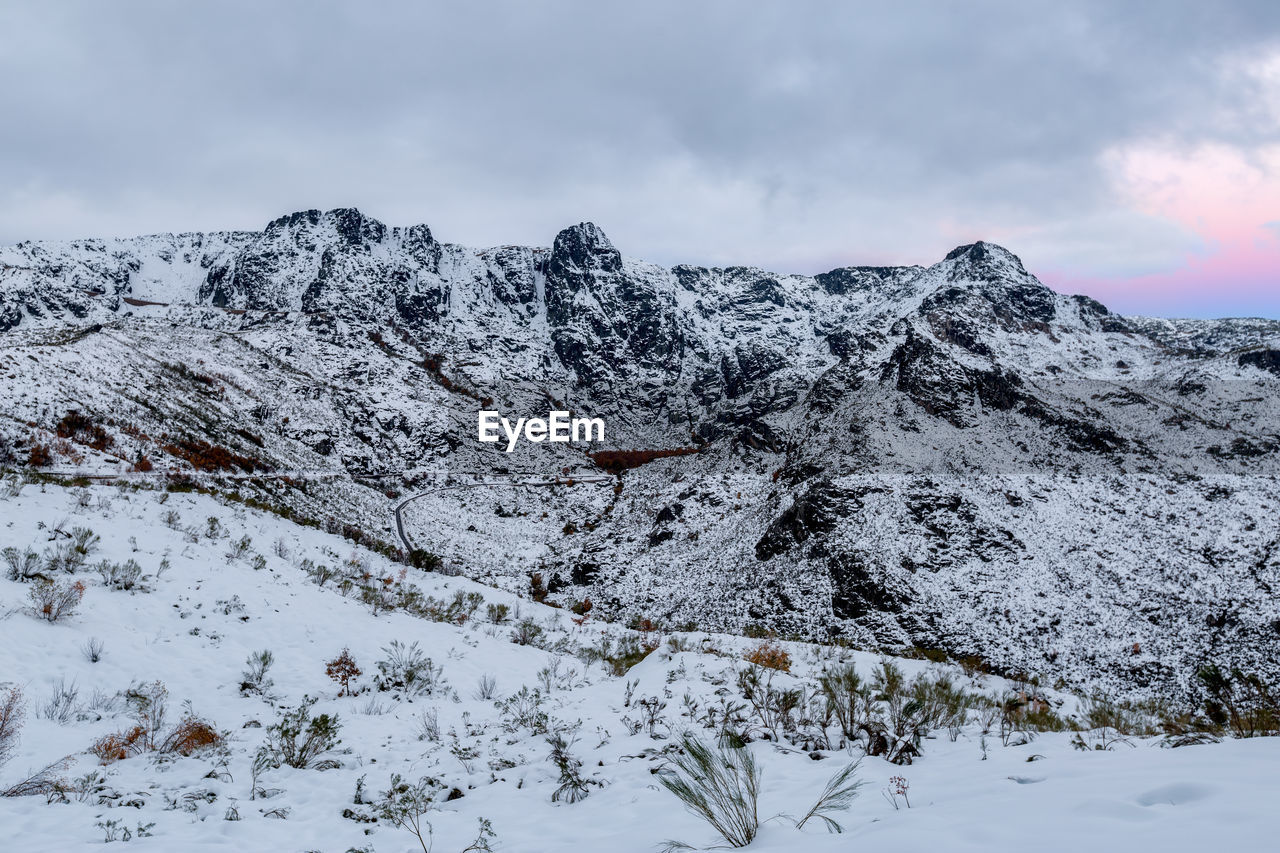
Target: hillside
{"x": 479, "y": 718}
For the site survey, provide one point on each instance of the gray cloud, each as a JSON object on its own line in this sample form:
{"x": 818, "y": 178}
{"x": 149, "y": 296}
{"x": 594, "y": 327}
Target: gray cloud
{"x": 795, "y": 136}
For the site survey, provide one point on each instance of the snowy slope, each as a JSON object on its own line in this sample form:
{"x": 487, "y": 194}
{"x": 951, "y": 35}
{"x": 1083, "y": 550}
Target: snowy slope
{"x": 194, "y": 627}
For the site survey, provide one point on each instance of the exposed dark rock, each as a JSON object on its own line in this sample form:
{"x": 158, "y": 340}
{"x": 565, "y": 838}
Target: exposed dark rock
{"x": 1264, "y": 359}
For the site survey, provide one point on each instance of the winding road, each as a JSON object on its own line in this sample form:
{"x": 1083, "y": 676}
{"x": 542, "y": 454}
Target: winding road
{"x": 533, "y": 483}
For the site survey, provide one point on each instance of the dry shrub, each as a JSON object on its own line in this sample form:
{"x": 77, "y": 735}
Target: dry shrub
{"x": 52, "y": 601}
{"x": 190, "y": 735}
{"x": 119, "y": 746}
{"x": 769, "y": 655}
{"x": 40, "y": 456}
{"x": 11, "y": 712}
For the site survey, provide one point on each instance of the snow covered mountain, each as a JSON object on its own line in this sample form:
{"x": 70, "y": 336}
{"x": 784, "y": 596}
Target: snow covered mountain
{"x": 949, "y": 457}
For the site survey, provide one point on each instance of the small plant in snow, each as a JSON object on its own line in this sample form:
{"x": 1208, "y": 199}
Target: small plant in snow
{"x": 429, "y": 725}
{"x": 527, "y": 632}
{"x": 126, "y": 576}
{"x": 92, "y": 649}
{"x": 487, "y": 688}
{"x": 897, "y": 790}
{"x": 406, "y": 806}
{"x": 523, "y": 710}
{"x": 408, "y": 671}
{"x": 12, "y": 709}
{"x": 573, "y": 788}
{"x": 254, "y": 680}
{"x": 297, "y": 739}
{"x": 239, "y": 548}
{"x": 115, "y": 830}
{"x": 721, "y": 785}
{"x": 343, "y": 669}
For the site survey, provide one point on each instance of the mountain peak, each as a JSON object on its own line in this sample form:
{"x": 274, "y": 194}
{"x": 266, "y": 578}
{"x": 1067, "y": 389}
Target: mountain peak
{"x": 586, "y": 246}
{"x": 350, "y": 223}
{"x": 983, "y": 252}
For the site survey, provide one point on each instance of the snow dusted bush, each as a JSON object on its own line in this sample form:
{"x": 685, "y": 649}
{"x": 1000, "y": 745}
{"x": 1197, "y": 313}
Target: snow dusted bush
{"x": 254, "y": 680}
{"x": 1234, "y": 703}
{"x": 62, "y": 704}
{"x": 523, "y": 709}
{"x": 573, "y": 788}
{"x": 239, "y": 548}
{"x": 21, "y": 565}
{"x": 527, "y": 632}
{"x": 83, "y": 543}
{"x": 487, "y": 688}
{"x": 297, "y": 739}
{"x": 890, "y": 715}
{"x": 126, "y": 576}
{"x": 408, "y": 671}
{"x": 53, "y": 600}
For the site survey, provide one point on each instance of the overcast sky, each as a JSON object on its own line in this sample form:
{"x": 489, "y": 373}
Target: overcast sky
{"x": 1128, "y": 150}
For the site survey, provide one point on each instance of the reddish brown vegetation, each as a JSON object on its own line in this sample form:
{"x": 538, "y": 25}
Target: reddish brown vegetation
{"x": 81, "y": 429}
{"x": 620, "y": 460}
{"x": 342, "y": 669}
{"x": 204, "y": 456}
{"x": 769, "y": 655}
{"x": 537, "y": 588}
{"x": 190, "y": 735}
{"x": 118, "y": 746}
{"x": 40, "y": 456}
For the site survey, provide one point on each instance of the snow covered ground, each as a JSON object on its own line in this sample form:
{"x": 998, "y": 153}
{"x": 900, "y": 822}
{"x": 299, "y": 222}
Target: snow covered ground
{"x": 221, "y": 599}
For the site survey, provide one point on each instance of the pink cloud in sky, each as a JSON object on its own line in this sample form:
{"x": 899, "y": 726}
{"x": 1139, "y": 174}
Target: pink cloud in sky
{"x": 1228, "y": 196}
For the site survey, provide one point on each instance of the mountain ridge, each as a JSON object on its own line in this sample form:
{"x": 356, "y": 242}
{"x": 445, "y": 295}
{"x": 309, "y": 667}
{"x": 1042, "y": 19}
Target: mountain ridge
{"x": 952, "y": 456}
